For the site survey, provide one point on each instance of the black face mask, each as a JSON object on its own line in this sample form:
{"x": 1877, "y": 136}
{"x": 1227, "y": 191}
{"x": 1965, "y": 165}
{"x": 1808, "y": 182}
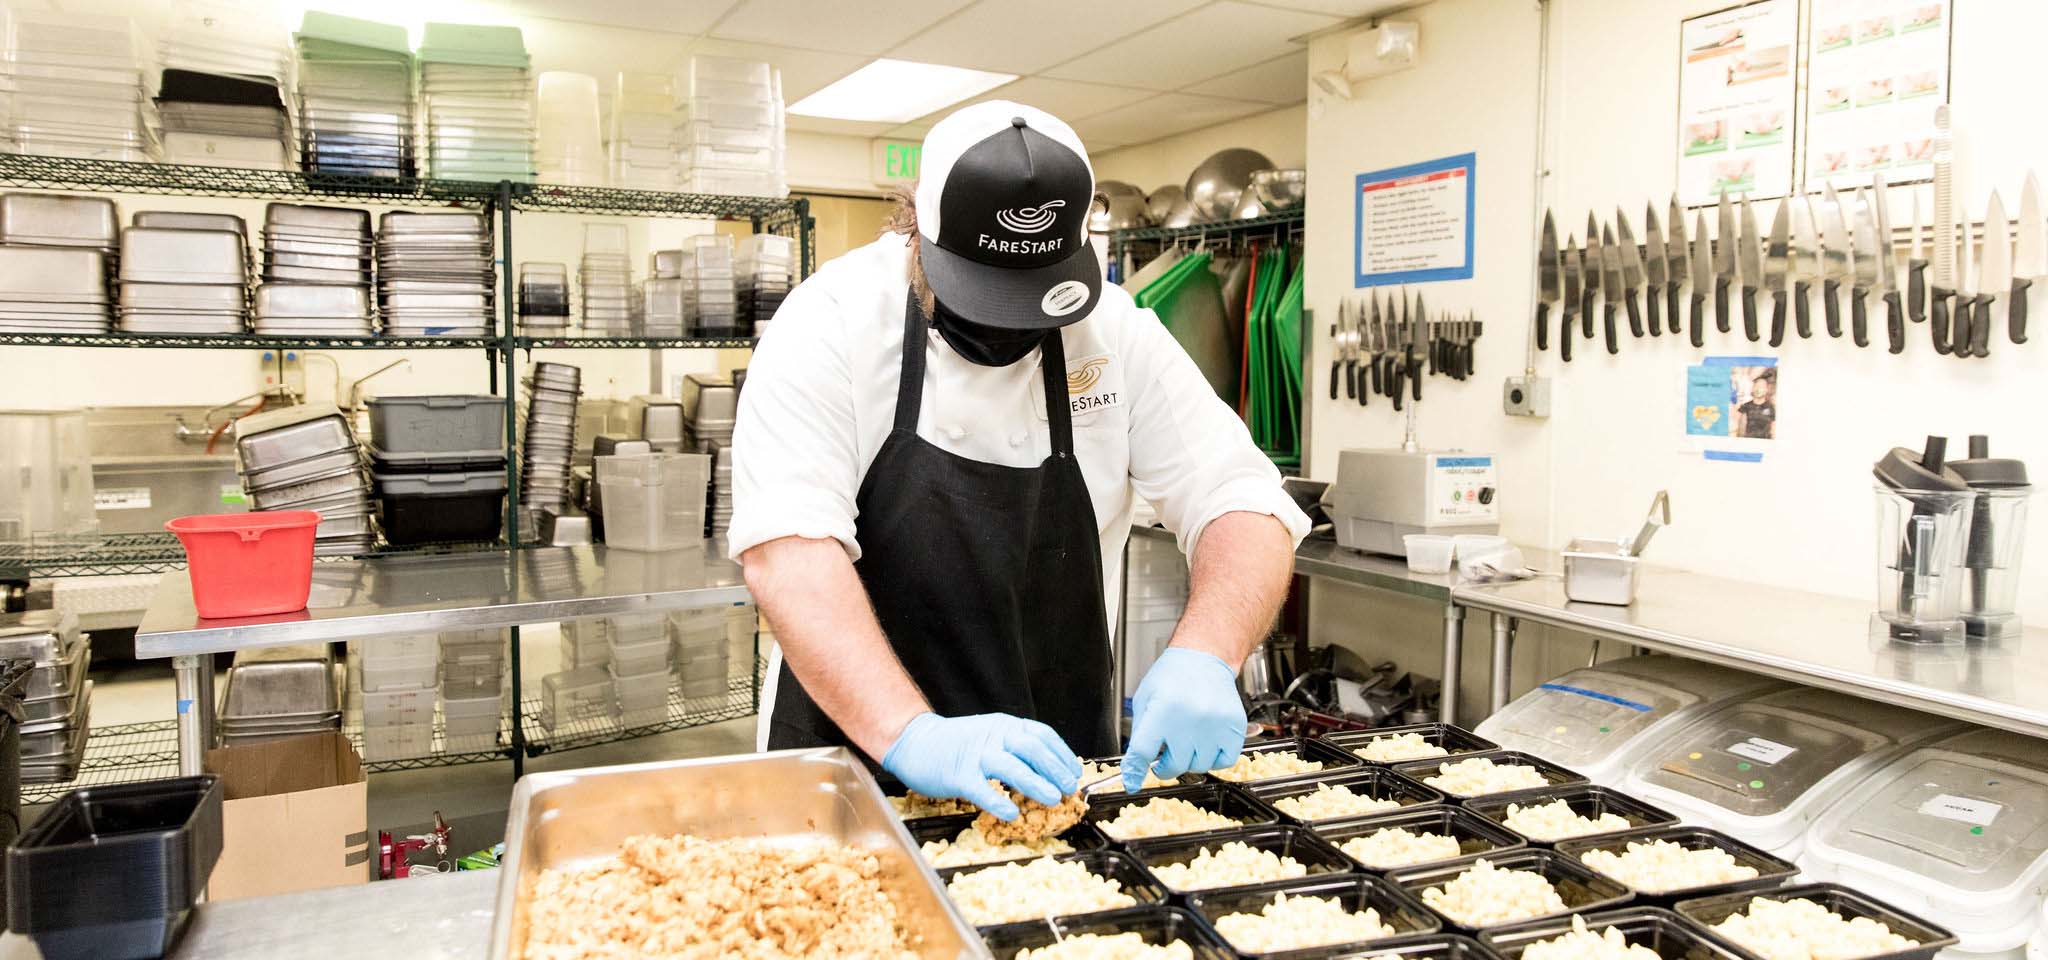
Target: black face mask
{"x": 985, "y": 345}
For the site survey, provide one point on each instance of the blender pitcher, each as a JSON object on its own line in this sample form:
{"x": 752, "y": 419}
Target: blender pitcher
{"x": 1923, "y": 512}
{"x": 1997, "y": 537}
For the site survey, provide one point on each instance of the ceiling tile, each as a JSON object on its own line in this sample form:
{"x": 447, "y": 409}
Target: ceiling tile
{"x": 844, "y": 128}
{"x": 1065, "y": 99}
{"x": 1011, "y": 37}
{"x": 1278, "y": 81}
{"x": 846, "y": 26}
{"x": 804, "y": 72}
{"x": 909, "y": 131}
{"x": 674, "y": 16}
{"x": 1209, "y": 42}
{"x": 1161, "y": 116}
{"x": 1341, "y": 8}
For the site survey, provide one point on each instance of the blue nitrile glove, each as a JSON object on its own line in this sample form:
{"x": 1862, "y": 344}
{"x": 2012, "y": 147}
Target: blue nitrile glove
{"x": 1187, "y": 717}
{"x": 955, "y": 757}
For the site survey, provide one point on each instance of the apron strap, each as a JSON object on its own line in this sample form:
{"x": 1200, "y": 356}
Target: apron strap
{"x": 910, "y": 389}
{"x": 1052, "y": 359}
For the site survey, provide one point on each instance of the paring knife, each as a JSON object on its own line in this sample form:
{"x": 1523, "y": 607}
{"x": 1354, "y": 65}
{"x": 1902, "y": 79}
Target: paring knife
{"x": 1678, "y": 251}
{"x": 1702, "y": 269}
{"x": 1887, "y": 265}
{"x": 1836, "y": 262}
{"x": 1655, "y": 268}
{"x": 2029, "y": 259}
{"x": 1337, "y": 352}
{"x": 1631, "y": 272}
{"x": 1994, "y": 274}
{"x": 1943, "y": 284}
{"x": 1805, "y": 264}
{"x": 1574, "y": 271}
{"x": 1866, "y": 270}
{"x": 1725, "y": 269}
{"x": 1547, "y": 280}
{"x": 1611, "y": 284}
{"x": 1916, "y": 267}
{"x": 1778, "y": 263}
{"x": 1749, "y": 257}
{"x": 1593, "y": 266}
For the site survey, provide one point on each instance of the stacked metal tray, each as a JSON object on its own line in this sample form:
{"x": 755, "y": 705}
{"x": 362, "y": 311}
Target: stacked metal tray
{"x": 306, "y": 458}
{"x": 434, "y": 274}
{"x": 56, "y": 701}
{"x": 549, "y": 437}
{"x": 57, "y": 253}
{"x": 316, "y": 272}
{"x": 281, "y": 692}
{"x": 184, "y": 273}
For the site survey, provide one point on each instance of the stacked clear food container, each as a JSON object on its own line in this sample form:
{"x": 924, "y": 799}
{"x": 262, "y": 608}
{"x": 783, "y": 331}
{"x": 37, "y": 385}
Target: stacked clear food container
{"x": 305, "y": 458}
{"x": 643, "y": 144}
{"x": 570, "y": 147}
{"x": 606, "y": 279}
{"x": 714, "y": 301}
{"x": 637, "y": 650}
{"x": 227, "y": 74}
{"x": 543, "y": 299}
{"x": 472, "y": 690}
{"x": 667, "y": 295}
{"x": 355, "y": 97}
{"x": 316, "y": 272}
{"x": 434, "y": 274}
{"x": 47, "y": 457}
{"x": 398, "y": 681}
{"x": 655, "y": 501}
{"x": 730, "y": 129}
{"x": 549, "y": 438}
{"x": 762, "y": 276}
{"x": 184, "y": 273}
{"x": 439, "y": 466}
{"x": 710, "y": 407}
{"x": 477, "y": 91}
{"x": 75, "y": 86}
{"x": 582, "y": 689}
{"x": 56, "y": 702}
{"x": 712, "y": 646}
{"x": 56, "y": 255}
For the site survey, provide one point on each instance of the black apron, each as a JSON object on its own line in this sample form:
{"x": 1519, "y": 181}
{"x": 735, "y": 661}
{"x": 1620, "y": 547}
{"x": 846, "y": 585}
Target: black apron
{"x": 986, "y": 579}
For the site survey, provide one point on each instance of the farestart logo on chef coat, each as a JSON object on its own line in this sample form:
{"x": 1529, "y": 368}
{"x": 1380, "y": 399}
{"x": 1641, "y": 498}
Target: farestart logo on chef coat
{"x": 1086, "y": 389}
{"x": 1029, "y": 219}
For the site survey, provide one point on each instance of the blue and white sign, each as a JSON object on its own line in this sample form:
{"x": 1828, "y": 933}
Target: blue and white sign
{"x": 1414, "y": 223}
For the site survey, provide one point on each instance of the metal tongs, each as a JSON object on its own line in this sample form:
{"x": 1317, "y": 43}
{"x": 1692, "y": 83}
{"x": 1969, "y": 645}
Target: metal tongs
{"x": 1659, "y": 517}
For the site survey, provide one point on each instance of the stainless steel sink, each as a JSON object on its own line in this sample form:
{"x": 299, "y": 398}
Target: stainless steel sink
{"x": 150, "y": 464}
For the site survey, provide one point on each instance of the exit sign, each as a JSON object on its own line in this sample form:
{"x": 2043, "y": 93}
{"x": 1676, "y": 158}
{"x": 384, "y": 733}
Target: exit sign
{"x": 896, "y": 161}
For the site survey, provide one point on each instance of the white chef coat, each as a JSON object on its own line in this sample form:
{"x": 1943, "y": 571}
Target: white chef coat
{"x": 820, "y": 399}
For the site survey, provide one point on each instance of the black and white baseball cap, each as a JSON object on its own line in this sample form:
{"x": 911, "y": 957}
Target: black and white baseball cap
{"x": 1002, "y": 207}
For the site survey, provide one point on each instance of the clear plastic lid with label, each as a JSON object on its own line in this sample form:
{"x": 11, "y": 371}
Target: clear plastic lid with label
{"x": 1956, "y": 829}
{"x": 1762, "y": 768}
{"x": 1588, "y": 718}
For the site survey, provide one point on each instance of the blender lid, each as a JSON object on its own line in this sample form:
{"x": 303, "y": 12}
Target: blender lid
{"x": 1983, "y": 470}
{"x": 1906, "y": 469}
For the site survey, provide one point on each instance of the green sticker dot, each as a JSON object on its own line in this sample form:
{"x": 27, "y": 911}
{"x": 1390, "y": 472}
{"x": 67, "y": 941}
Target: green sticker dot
{"x": 1606, "y": 730}
{"x": 1976, "y": 831}
{"x": 1756, "y": 784}
{"x": 1742, "y": 766}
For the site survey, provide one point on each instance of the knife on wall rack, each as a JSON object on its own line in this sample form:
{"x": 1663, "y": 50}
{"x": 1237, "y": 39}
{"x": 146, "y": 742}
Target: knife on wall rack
{"x": 1573, "y": 280}
{"x": 1656, "y": 269}
{"x": 1547, "y": 280}
{"x": 1725, "y": 269}
{"x": 1836, "y": 260}
{"x": 1942, "y": 285}
{"x": 1677, "y": 251}
{"x": 1702, "y": 269}
{"x": 1612, "y": 287}
{"x": 1631, "y": 272}
{"x": 1888, "y": 265}
{"x": 1593, "y": 267}
{"x": 1777, "y": 264}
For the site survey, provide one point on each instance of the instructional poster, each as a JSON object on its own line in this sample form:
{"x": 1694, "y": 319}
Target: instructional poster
{"x": 1736, "y": 100}
{"x": 1875, "y": 71}
{"x": 1731, "y": 407}
{"x": 1414, "y": 223}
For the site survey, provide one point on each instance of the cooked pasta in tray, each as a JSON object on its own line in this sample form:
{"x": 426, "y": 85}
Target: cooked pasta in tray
{"x": 1294, "y": 923}
{"x": 1329, "y": 801}
{"x": 1163, "y": 817}
{"x": 1233, "y": 864}
{"x": 1396, "y": 847}
{"x": 1033, "y": 890}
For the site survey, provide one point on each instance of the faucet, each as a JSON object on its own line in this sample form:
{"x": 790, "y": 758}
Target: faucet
{"x": 355, "y": 390}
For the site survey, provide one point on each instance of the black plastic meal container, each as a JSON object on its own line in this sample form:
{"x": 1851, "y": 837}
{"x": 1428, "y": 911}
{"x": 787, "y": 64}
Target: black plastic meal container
{"x": 1307, "y": 748}
{"x": 1380, "y": 783}
{"x": 1157, "y": 925}
{"x": 1771, "y": 870}
{"x": 1081, "y": 836}
{"x": 1115, "y": 788}
{"x": 1117, "y": 866}
{"x": 1456, "y": 739}
{"x": 1214, "y": 797}
{"x": 111, "y": 873}
{"x": 1353, "y": 891}
{"x": 1435, "y": 946}
{"x": 1306, "y": 848}
{"x": 1582, "y": 890}
{"x": 1476, "y": 835}
{"x": 1555, "y": 776}
{"x": 1585, "y": 799}
{"x": 1708, "y": 911}
{"x": 1653, "y": 928}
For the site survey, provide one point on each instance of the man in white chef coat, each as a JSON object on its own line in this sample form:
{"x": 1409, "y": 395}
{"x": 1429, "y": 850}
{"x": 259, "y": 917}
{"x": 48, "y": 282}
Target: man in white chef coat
{"x": 938, "y": 450}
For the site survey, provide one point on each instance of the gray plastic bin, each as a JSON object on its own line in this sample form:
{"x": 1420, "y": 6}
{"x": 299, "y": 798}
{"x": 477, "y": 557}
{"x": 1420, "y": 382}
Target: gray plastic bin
{"x": 437, "y": 424}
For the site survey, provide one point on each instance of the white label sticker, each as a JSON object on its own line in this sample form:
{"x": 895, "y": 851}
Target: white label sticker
{"x": 1950, "y": 807}
{"x": 121, "y": 498}
{"x": 1762, "y": 751}
{"x": 1064, "y": 298}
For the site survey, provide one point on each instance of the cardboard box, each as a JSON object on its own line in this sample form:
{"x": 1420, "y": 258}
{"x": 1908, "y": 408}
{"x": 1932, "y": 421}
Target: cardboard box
{"x": 295, "y": 816}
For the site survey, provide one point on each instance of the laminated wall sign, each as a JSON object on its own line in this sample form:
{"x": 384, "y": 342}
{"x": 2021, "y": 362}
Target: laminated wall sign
{"x": 1414, "y": 223}
{"x": 1731, "y": 408}
{"x": 1874, "y": 71}
{"x": 1736, "y": 99}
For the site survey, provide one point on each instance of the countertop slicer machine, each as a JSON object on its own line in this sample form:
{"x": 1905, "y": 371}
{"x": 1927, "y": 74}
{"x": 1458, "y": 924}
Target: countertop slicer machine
{"x": 1382, "y": 495}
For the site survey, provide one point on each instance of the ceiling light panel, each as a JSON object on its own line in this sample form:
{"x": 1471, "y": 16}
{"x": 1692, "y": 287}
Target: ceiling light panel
{"x": 897, "y": 91}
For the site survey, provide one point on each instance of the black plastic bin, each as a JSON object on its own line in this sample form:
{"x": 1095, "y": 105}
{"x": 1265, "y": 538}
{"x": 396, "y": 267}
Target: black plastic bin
{"x": 440, "y": 507}
{"x": 111, "y": 873}
{"x": 1651, "y": 928}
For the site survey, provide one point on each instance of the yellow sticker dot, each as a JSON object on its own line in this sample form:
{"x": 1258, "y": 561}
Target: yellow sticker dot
{"x": 1558, "y": 730}
{"x": 1694, "y": 756}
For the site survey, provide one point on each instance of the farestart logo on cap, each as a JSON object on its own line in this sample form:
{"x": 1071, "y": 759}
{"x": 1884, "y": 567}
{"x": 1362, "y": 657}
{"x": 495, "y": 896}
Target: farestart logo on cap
{"x": 1029, "y": 219}
{"x": 1064, "y": 298}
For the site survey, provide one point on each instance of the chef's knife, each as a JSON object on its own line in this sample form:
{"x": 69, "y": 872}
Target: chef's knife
{"x": 1836, "y": 260}
{"x": 1594, "y": 264}
{"x": 1397, "y": 350}
{"x": 1418, "y": 343}
{"x": 1725, "y": 269}
{"x": 1916, "y": 267}
{"x": 1866, "y": 271}
{"x": 1655, "y": 266}
{"x": 1374, "y": 338}
{"x": 1805, "y": 264}
{"x": 1943, "y": 284}
{"x": 1337, "y": 351}
{"x": 1547, "y": 280}
{"x": 1701, "y": 270}
{"x": 1611, "y": 285}
{"x": 1574, "y": 271}
{"x": 1678, "y": 251}
{"x": 1777, "y": 263}
{"x": 1962, "y": 315}
{"x": 1887, "y": 265}
{"x": 1749, "y": 255}
{"x": 1994, "y": 274}
{"x": 1631, "y": 272}
{"x": 2029, "y": 259}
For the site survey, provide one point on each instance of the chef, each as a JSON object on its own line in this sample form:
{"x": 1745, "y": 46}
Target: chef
{"x": 938, "y": 450}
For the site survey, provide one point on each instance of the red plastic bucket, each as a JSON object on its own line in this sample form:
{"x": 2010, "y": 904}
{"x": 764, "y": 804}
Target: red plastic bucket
{"x": 249, "y": 564}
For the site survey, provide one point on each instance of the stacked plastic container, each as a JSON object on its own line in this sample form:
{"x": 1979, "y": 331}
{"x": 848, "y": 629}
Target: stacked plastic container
{"x": 712, "y": 645}
{"x": 399, "y": 679}
{"x": 643, "y": 144}
{"x": 226, "y": 74}
{"x": 439, "y": 467}
{"x": 75, "y": 86}
{"x": 477, "y": 94}
{"x": 305, "y": 458}
{"x": 56, "y": 701}
{"x": 668, "y": 295}
{"x": 544, "y": 299}
{"x": 355, "y": 97}
{"x": 47, "y": 458}
{"x": 655, "y": 501}
{"x": 639, "y": 649}
{"x": 761, "y": 277}
{"x": 713, "y": 298}
{"x": 730, "y": 129}
{"x": 606, "y": 278}
{"x": 435, "y": 274}
{"x": 570, "y": 147}
{"x": 582, "y": 689}
{"x": 1154, "y": 599}
{"x": 472, "y": 690}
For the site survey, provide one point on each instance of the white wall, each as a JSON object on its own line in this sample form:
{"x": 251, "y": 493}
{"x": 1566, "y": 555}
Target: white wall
{"x": 1279, "y": 134}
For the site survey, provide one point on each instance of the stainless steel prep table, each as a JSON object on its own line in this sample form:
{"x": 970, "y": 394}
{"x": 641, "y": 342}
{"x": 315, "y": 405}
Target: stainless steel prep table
{"x": 428, "y": 593}
{"x": 1821, "y": 641}
{"x": 446, "y": 917}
